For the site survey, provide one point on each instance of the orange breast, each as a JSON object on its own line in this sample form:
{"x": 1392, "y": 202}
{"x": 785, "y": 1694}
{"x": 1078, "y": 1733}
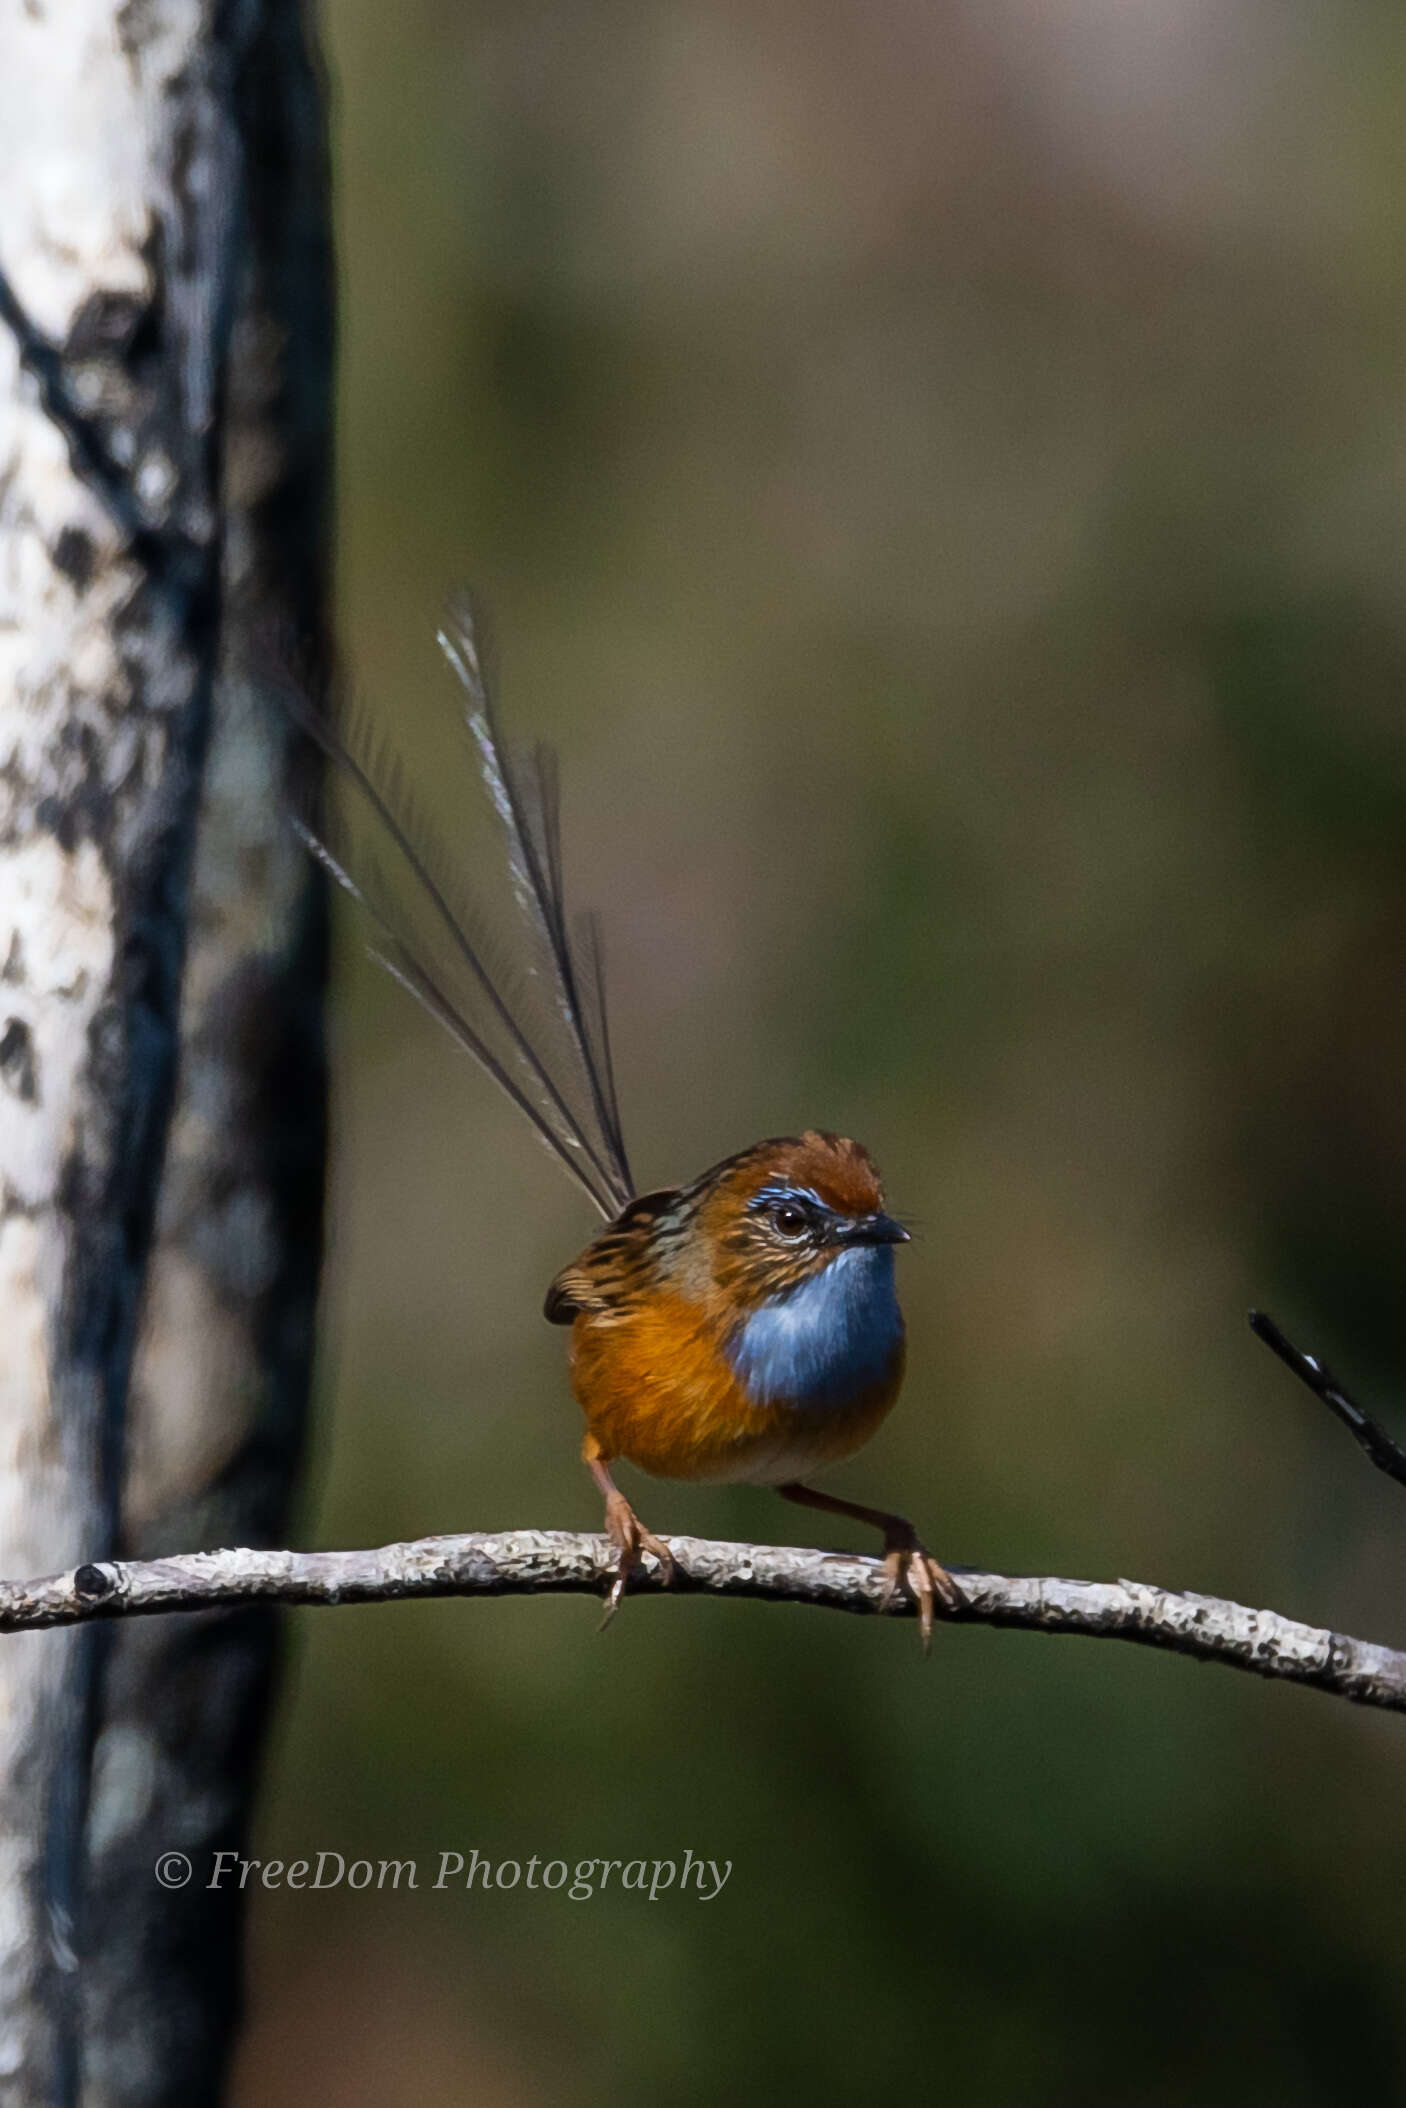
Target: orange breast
{"x": 657, "y": 1388}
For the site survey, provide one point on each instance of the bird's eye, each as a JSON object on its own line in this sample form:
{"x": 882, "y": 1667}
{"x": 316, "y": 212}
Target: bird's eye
{"x": 790, "y": 1220}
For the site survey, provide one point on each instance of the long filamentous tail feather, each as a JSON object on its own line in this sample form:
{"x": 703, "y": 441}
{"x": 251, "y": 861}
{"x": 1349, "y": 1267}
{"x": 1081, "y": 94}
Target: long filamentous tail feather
{"x": 428, "y": 937}
{"x": 527, "y": 794}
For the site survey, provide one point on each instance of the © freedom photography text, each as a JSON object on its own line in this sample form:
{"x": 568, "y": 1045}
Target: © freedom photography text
{"x": 703, "y": 1880}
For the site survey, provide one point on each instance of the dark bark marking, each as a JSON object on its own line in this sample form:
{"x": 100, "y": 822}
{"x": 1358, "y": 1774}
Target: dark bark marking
{"x": 17, "y": 1060}
{"x": 74, "y": 555}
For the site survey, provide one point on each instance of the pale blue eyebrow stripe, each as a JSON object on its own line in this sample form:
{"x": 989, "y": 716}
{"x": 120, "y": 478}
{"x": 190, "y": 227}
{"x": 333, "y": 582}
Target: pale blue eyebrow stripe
{"x": 782, "y": 1192}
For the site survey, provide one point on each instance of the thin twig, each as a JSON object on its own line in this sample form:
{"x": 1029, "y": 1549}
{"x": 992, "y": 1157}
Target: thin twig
{"x": 1374, "y": 1442}
{"x": 532, "y": 1562}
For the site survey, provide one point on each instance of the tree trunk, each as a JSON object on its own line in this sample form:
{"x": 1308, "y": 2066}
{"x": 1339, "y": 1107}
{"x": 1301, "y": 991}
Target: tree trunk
{"x": 164, "y": 378}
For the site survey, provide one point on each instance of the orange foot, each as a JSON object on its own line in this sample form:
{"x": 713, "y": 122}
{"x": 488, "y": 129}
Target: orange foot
{"x": 625, "y": 1530}
{"x": 908, "y": 1562}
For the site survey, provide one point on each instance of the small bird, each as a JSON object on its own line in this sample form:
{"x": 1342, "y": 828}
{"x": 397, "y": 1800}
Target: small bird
{"x": 741, "y": 1328}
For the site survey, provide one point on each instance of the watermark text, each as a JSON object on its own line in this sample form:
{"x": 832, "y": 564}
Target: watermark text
{"x": 701, "y": 1880}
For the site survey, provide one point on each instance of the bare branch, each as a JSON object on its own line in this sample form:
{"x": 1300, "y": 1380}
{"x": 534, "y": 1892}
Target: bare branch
{"x": 1374, "y": 1442}
{"x": 536, "y": 1562}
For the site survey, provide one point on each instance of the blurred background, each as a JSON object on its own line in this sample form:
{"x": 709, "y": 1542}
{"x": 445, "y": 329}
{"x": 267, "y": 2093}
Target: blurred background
{"x": 937, "y": 472}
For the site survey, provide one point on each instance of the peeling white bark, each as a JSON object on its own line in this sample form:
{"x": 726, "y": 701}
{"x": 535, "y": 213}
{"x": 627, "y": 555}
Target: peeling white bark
{"x": 220, "y": 1381}
{"x": 119, "y": 198}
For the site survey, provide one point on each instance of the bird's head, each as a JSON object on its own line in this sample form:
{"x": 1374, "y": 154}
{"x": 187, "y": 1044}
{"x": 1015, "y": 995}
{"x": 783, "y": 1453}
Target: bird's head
{"x": 783, "y": 1212}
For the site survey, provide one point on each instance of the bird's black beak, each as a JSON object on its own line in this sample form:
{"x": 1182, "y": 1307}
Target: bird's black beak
{"x": 870, "y": 1229}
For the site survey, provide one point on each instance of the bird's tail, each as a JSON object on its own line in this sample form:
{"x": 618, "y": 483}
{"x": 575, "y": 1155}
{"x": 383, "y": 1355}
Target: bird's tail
{"x": 526, "y": 1000}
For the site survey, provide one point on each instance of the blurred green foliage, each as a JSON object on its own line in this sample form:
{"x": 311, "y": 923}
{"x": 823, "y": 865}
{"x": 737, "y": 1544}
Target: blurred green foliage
{"x": 938, "y": 475}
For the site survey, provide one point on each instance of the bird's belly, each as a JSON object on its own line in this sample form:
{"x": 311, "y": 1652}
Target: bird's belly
{"x": 673, "y": 1392}
{"x": 796, "y": 1440}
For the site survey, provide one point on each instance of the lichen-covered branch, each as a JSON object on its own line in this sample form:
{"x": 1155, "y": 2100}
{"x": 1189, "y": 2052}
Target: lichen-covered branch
{"x": 559, "y": 1562}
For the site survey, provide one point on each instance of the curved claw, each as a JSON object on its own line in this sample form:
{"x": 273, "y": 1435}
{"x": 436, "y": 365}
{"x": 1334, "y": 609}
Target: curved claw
{"x": 906, "y": 1559}
{"x": 617, "y": 1593}
{"x": 908, "y": 1562}
{"x": 625, "y": 1529}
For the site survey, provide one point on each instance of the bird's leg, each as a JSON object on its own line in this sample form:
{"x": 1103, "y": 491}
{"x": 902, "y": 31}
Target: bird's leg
{"x": 906, "y": 1558}
{"x": 624, "y": 1529}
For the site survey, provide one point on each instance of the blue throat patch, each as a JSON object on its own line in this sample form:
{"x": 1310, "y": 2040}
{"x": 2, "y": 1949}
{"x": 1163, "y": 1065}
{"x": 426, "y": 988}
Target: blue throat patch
{"x": 824, "y": 1343}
